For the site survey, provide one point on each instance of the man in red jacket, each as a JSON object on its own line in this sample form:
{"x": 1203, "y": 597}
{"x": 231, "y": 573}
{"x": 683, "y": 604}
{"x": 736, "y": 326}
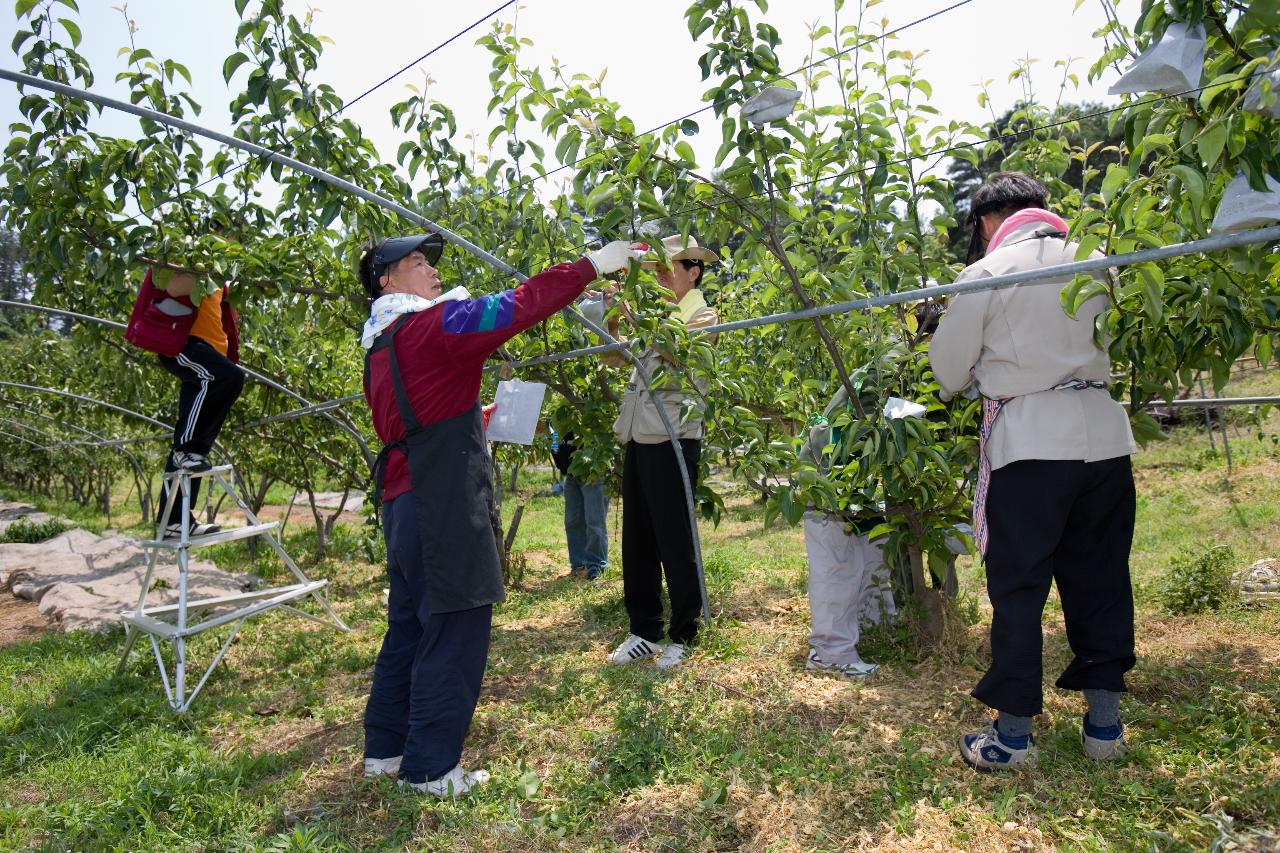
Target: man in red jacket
{"x": 425, "y": 355}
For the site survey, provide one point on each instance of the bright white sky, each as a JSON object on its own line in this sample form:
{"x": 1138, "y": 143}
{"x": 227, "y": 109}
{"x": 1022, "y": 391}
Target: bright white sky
{"x": 651, "y": 61}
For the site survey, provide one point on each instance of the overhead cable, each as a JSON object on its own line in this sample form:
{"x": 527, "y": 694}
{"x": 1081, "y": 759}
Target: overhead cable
{"x": 886, "y": 34}
{"x": 289, "y": 143}
{"x": 1043, "y": 275}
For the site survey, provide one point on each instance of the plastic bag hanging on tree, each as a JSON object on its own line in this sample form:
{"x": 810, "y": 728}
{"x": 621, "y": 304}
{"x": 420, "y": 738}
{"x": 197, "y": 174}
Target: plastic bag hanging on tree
{"x": 1242, "y": 207}
{"x": 1172, "y": 66}
{"x": 1263, "y": 96}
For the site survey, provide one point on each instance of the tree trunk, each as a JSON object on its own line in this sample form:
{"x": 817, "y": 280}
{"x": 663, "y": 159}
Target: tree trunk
{"x": 259, "y": 496}
{"x": 319, "y": 521}
{"x": 932, "y": 615}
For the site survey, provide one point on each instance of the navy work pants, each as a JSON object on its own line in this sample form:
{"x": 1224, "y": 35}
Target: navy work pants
{"x": 1071, "y": 523}
{"x": 426, "y": 680}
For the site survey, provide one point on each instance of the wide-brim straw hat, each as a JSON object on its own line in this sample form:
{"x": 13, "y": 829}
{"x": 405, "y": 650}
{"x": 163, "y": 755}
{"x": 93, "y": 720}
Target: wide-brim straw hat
{"x": 677, "y": 250}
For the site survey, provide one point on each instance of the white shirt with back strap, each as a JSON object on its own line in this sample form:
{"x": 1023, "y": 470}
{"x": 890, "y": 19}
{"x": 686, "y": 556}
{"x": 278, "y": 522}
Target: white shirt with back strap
{"x": 1017, "y": 343}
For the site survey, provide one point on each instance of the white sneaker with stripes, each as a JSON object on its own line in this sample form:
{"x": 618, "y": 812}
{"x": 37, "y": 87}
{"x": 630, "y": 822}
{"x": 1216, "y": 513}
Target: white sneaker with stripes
{"x": 672, "y": 656}
{"x": 197, "y": 528}
{"x": 193, "y": 462}
{"x": 633, "y": 648}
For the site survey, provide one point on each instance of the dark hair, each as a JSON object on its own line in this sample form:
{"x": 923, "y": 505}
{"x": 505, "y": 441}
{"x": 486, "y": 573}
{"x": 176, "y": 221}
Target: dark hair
{"x": 689, "y": 264}
{"x": 1003, "y": 193}
{"x": 928, "y": 316}
{"x": 371, "y": 287}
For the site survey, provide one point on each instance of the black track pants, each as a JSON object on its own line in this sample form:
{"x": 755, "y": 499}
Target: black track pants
{"x": 657, "y": 538}
{"x": 210, "y": 385}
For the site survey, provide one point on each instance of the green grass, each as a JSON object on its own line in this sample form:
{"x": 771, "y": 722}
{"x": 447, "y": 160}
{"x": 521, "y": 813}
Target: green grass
{"x": 26, "y": 531}
{"x": 740, "y": 749}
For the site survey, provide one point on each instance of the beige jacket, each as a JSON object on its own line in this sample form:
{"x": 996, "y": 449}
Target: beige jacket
{"x": 638, "y": 419}
{"x": 1019, "y": 343}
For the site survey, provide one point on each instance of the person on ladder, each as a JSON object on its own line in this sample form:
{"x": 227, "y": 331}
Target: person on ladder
{"x": 211, "y": 382}
{"x": 425, "y": 355}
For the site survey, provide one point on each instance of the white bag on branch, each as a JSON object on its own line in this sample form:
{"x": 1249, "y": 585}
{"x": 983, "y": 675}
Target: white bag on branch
{"x": 1242, "y": 207}
{"x": 1172, "y": 66}
{"x": 772, "y": 103}
{"x": 896, "y": 407}
{"x": 1266, "y": 87}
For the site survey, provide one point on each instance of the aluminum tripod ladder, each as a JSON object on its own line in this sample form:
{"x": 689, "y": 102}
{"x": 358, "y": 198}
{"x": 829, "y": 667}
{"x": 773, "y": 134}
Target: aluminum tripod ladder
{"x": 176, "y": 622}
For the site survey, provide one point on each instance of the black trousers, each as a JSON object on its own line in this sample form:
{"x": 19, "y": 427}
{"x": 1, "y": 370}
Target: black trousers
{"x": 210, "y": 384}
{"x": 657, "y": 537}
{"x": 426, "y": 680}
{"x": 1069, "y": 522}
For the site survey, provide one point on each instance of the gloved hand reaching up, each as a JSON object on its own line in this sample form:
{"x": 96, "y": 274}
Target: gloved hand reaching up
{"x": 615, "y": 256}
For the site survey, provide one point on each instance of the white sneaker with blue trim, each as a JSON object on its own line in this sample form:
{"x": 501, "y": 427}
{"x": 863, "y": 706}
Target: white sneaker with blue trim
{"x": 1105, "y": 743}
{"x": 986, "y": 749}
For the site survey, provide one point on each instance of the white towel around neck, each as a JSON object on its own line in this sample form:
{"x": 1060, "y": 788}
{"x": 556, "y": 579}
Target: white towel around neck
{"x": 387, "y": 309}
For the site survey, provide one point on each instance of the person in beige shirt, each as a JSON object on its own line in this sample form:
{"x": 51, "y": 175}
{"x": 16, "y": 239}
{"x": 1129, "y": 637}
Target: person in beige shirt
{"x": 1055, "y": 497}
{"x": 657, "y": 536}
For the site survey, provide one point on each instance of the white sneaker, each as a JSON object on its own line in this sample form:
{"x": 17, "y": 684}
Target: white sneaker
{"x": 851, "y": 671}
{"x": 633, "y": 648}
{"x": 453, "y": 784}
{"x": 672, "y": 656}
{"x": 382, "y": 766}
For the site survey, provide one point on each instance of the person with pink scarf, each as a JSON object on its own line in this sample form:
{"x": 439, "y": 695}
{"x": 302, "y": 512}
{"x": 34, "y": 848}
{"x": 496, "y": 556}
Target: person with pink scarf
{"x": 1055, "y": 496}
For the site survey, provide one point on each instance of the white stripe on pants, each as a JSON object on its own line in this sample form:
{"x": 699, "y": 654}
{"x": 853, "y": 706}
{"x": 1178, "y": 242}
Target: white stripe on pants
{"x": 848, "y": 587}
{"x": 194, "y": 415}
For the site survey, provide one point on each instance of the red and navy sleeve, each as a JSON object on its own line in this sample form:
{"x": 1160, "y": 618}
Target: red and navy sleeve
{"x": 474, "y": 328}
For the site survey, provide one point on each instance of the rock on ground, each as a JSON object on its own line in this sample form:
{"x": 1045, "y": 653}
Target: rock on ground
{"x": 85, "y": 581}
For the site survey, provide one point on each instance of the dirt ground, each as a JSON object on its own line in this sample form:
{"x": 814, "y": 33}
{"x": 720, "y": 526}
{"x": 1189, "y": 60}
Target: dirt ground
{"x": 21, "y": 620}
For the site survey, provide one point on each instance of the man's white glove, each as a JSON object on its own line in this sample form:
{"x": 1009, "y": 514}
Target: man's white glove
{"x": 614, "y": 256}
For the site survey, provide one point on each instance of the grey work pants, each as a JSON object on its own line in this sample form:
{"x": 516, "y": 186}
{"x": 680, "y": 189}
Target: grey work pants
{"x": 848, "y": 587}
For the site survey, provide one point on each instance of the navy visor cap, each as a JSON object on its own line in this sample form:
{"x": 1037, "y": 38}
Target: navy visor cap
{"x": 393, "y": 249}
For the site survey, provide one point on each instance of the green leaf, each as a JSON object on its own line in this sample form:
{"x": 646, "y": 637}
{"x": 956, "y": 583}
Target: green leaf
{"x": 1210, "y": 145}
{"x": 1152, "y": 291}
{"x": 22, "y": 7}
{"x": 1088, "y": 245}
{"x": 1116, "y": 177}
{"x": 878, "y": 531}
{"x": 231, "y": 63}
{"x": 1264, "y": 349}
{"x": 1192, "y": 182}
{"x": 73, "y": 30}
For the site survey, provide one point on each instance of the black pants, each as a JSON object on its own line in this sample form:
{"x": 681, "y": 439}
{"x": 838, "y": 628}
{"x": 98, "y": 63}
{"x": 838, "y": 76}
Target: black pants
{"x": 657, "y": 537}
{"x": 1069, "y": 522}
{"x": 426, "y": 680}
{"x": 210, "y": 385}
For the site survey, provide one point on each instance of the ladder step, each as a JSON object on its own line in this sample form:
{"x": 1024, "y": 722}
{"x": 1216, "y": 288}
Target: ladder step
{"x": 247, "y": 532}
{"x": 234, "y": 598}
{"x": 255, "y": 603}
{"x": 147, "y": 625}
{"x": 195, "y": 475}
